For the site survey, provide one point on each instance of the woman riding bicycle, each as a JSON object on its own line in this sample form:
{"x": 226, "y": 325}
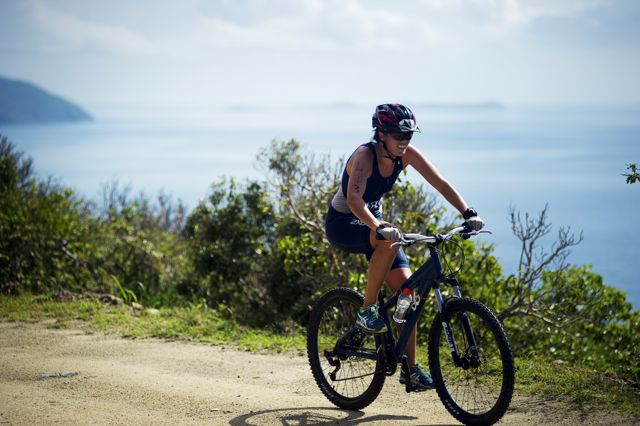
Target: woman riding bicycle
{"x": 354, "y": 221}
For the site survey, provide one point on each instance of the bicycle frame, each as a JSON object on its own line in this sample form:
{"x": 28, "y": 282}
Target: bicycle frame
{"x": 429, "y": 276}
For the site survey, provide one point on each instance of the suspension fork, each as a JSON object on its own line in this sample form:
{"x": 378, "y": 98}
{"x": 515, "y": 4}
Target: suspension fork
{"x": 446, "y": 324}
{"x": 466, "y": 324}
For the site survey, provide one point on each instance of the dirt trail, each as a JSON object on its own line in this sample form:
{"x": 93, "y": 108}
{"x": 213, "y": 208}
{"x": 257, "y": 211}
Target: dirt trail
{"x": 156, "y": 382}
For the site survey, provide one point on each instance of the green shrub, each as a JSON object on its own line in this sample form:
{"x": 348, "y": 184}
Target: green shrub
{"x": 41, "y": 223}
{"x": 53, "y": 240}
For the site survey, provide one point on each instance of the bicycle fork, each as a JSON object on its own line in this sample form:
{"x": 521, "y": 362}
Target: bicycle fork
{"x": 460, "y": 361}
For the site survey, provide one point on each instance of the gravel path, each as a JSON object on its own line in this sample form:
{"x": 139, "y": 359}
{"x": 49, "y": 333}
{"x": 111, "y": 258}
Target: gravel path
{"x": 52, "y": 376}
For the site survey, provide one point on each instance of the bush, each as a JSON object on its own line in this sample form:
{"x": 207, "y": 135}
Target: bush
{"x": 53, "y": 240}
{"x": 230, "y": 236}
{"x": 138, "y": 245}
{"x": 586, "y": 323}
{"x": 40, "y": 224}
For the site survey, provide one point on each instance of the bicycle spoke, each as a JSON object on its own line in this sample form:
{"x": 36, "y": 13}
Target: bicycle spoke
{"x": 475, "y": 389}
{"x": 355, "y": 373}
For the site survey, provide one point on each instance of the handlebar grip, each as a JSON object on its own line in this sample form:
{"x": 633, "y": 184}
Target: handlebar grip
{"x": 465, "y": 231}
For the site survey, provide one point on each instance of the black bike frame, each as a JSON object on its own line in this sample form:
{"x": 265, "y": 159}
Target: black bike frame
{"x": 427, "y": 277}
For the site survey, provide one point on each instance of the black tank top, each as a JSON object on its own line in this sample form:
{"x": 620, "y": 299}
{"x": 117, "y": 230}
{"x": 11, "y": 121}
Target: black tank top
{"x": 377, "y": 185}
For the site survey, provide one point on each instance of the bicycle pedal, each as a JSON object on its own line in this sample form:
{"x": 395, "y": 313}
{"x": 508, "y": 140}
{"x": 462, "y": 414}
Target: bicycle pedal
{"x": 356, "y": 339}
{"x": 417, "y": 389}
{"x": 372, "y": 332}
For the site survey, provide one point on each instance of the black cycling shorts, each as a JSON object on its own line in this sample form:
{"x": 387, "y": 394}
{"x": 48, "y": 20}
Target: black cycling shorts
{"x": 348, "y": 233}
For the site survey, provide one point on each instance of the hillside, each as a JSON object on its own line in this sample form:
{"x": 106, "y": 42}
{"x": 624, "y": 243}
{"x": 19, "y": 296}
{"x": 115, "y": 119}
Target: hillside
{"x": 22, "y": 102}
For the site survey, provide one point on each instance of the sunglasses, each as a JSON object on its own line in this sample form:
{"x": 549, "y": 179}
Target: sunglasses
{"x": 401, "y": 136}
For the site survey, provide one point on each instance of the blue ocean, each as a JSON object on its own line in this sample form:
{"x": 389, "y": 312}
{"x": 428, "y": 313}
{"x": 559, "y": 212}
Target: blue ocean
{"x": 569, "y": 158}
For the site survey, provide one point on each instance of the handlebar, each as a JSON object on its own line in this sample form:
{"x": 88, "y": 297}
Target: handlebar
{"x": 409, "y": 239}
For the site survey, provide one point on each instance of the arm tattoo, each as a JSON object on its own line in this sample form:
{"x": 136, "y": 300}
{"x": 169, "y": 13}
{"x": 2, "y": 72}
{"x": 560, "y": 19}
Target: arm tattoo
{"x": 356, "y": 184}
{"x": 357, "y": 177}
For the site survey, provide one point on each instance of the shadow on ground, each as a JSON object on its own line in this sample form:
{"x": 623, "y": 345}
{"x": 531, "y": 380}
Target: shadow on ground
{"x": 314, "y": 416}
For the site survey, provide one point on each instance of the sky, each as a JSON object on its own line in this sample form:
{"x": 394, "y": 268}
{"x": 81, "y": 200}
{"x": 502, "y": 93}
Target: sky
{"x": 194, "y": 53}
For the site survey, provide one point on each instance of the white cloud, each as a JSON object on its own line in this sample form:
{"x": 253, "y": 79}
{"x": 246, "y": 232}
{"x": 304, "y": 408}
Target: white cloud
{"x": 71, "y": 32}
{"x": 252, "y": 50}
{"x": 362, "y": 24}
{"x": 508, "y": 16}
{"x": 310, "y": 25}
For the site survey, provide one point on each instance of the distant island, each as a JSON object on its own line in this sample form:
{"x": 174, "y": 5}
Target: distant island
{"x": 22, "y": 102}
{"x": 345, "y": 105}
{"x": 461, "y": 106}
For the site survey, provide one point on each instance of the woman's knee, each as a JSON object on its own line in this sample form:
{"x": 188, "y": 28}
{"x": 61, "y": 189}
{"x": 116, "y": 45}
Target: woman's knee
{"x": 385, "y": 250}
{"x": 373, "y": 240}
{"x": 396, "y": 277}
{"x": 382, "y": 245}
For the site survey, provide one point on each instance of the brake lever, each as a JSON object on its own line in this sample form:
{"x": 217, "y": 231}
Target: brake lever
{"x": 403, "y": 242}
{"x": 467, "y": 235}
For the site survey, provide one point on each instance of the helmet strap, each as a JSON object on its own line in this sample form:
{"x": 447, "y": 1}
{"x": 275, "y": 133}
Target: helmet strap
{"x": 389, "y": 156}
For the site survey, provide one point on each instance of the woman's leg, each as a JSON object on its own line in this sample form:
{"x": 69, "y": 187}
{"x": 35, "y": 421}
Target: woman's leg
{"x": 379, "y": 265}
{"x": 395, "y": 279}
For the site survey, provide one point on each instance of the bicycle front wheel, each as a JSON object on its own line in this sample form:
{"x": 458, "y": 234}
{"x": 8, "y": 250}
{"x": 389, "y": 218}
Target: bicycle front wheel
{"x": 344, "y": 360}
{"x": 478, "y": 386}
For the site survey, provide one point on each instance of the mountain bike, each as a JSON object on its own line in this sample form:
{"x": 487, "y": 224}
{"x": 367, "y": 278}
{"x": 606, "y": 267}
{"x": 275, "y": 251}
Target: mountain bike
{"x": 470, "y": 357}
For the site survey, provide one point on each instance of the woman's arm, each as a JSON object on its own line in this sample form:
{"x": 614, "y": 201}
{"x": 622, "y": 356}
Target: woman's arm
{"x": 418, "y": 161}
{"x": 361, "y": 169}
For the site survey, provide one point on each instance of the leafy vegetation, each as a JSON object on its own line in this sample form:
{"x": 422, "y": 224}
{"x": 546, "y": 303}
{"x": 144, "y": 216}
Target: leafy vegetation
{"x": 190, "y": 323}
{"x": 254, "y": 254}
{"x": 634, "y": 175}
{"x": 51, "y": 239}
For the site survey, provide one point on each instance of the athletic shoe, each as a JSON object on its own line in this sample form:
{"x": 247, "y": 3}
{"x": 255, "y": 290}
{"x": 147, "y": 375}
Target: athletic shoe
{"x": 420, "y": 379}
{"x": 370, "y": 321}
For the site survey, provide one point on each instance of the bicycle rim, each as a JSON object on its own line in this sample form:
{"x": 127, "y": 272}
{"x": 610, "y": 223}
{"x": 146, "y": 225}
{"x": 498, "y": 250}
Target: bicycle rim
{"x": 348, "y": 380}
{"x": 479, "y": 389}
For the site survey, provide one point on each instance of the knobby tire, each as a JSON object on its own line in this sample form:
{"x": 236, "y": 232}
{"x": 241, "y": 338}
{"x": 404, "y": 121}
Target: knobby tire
{"x": 359, "y": 381}
{"x": 480, "y": 394}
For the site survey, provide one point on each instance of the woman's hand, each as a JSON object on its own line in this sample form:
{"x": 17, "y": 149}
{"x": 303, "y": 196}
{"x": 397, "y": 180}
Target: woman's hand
{"x": 473, "y": 221}
{"x": 388, "y": 232}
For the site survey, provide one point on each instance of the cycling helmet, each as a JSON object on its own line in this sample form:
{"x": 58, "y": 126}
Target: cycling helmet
{"x": 394, "y": 118}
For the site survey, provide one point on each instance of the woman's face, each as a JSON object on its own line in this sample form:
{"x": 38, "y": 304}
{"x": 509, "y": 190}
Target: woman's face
{"x": 397, "y": 143}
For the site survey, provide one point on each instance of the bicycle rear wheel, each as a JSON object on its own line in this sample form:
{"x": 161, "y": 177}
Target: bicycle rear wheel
{"x": 344, "y": 360}
{"x": 477, "y": 389}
